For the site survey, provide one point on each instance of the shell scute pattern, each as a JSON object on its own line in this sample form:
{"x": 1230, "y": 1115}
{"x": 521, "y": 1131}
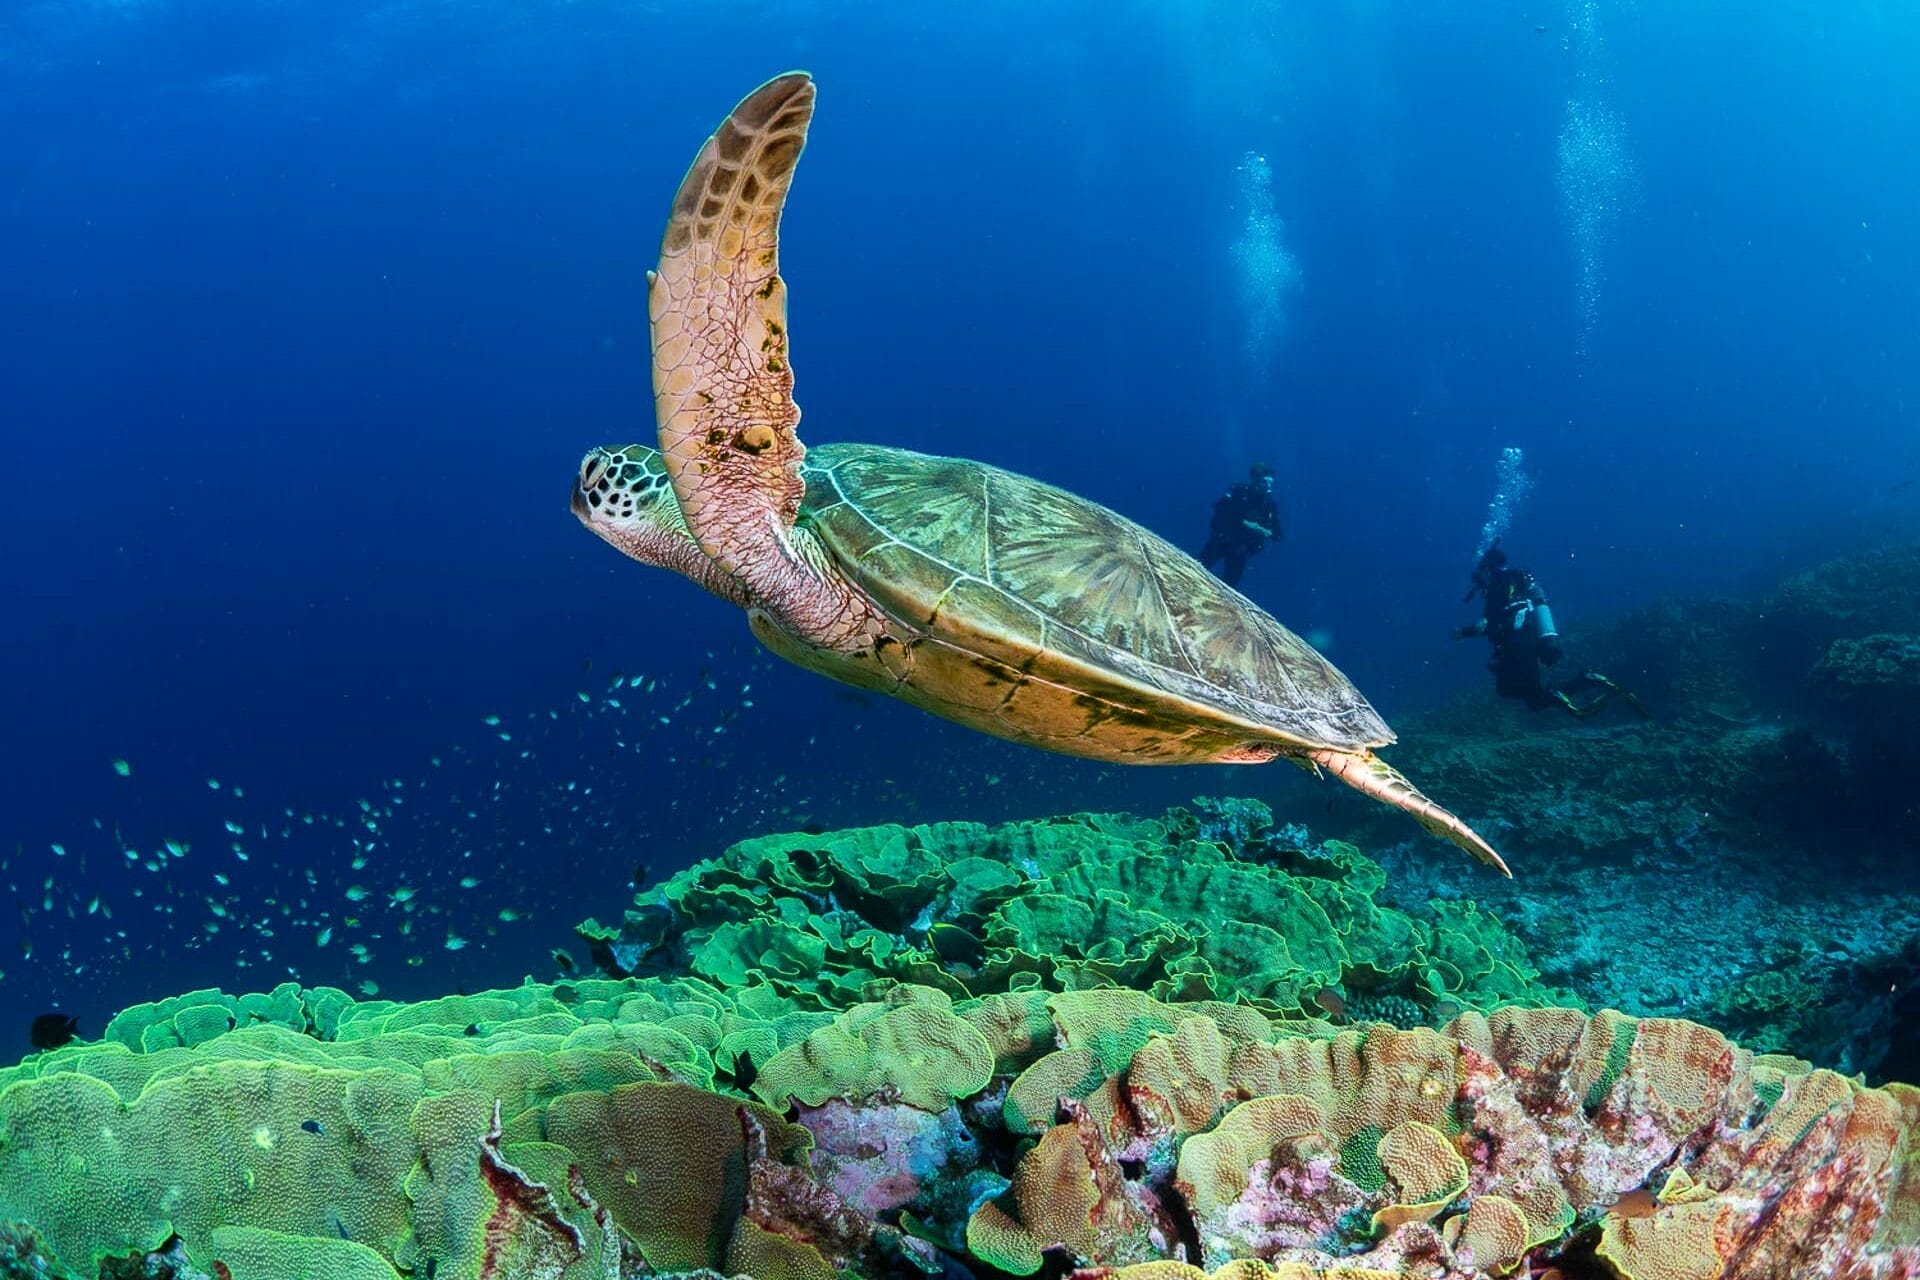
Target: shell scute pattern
{"x": 1020, "y": 572}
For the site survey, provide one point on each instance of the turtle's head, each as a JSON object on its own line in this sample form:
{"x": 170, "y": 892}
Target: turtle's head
{"x": 622, "y": 494}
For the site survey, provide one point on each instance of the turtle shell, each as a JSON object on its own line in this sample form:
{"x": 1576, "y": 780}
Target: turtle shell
{"x": 1057, "y": 587}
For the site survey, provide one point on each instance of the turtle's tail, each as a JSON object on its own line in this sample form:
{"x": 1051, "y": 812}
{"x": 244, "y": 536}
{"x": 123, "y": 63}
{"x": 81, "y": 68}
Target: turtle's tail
{"x": 1368, "y": 773}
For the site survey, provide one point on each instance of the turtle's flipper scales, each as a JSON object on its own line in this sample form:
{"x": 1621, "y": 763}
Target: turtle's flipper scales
{"x": 722, "y": 384}
{"x": 1368, "y": 773}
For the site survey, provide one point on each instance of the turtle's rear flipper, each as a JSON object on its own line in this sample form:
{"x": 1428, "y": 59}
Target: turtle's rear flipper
{"x": 1368, "y": 773}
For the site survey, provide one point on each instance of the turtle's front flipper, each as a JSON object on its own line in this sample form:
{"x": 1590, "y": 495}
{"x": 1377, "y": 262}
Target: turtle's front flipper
{"x": 1366, "y": 772}
{"x": 722, "y": 386}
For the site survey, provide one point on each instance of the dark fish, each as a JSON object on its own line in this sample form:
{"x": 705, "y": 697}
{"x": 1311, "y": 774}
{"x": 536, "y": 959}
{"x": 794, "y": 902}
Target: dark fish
{"x": 51, "y": 1030}
{"x": 565, "y": 961}
{"x": 473, "y": 1028}
{"x": 314, "y": 1126}
{"x": 1331, "y": 1001}
{"x": 813, "y": 829}
{"x": 854, "y": 696}
{"x": 957, "y": 946}
{"x": 1638, "y": 1203}
{"x": 642, "y": 875}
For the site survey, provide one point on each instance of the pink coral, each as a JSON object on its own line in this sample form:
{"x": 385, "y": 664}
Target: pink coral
{"x": 883, "y": 1155}
{"x": 1524, "y": 1141}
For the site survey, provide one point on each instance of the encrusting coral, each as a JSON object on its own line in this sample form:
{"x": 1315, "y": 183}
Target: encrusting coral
{"x": 613, "y": 1128}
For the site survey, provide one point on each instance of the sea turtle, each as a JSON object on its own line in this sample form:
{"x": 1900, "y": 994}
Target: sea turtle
{"x": 1005, "y": 604}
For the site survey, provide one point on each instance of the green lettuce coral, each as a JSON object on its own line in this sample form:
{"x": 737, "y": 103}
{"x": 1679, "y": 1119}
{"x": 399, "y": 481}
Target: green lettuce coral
{"x": 1211, "y": 904}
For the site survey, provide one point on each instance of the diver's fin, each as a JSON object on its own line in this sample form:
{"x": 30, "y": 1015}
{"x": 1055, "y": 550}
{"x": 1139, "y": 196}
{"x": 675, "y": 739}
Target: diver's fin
{"x": 1600, "y": 677}
{"x": 1609, "y": 691}
{"x": 1368, "y": 773}
{"x": 1574, "y": 709}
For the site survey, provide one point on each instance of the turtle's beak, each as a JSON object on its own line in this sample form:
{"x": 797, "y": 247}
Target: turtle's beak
{"x": 578, "y": 503}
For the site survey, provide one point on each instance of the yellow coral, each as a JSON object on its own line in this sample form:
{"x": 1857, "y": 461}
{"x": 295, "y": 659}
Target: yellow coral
{"x": 1053, "y": 1192}
{"x": 1214, "y": 1166}
{"x": 1676, "y": 1243}
{"x": 1178, "y": 1083}
{"x": 1034, "y": 1096}
{"x": 1016, "y": 1025}
{"x": 1492, "y": 1235}
{"x": 1901, "y": 1226}
{"x": 668, "y": 1161}
{"x": 248, "y": 1253}
{"x": 1683, "y": 1067}
{"x": 768, "y": 1255}
{"x": 1424, "y": 1170}
{"x": 910, "y": 1044}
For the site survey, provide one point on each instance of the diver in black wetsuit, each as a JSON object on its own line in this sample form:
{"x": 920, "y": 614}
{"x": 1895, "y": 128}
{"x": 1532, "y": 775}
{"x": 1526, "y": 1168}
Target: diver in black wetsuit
{"x": 1245, "y": 519}
{"x": 1518, "y": 623}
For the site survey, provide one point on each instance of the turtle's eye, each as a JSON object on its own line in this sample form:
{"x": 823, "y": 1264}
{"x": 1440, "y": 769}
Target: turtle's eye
{"x": 592, "y": 467}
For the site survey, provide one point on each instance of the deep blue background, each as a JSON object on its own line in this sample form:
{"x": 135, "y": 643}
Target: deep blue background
{"x": 307, "y": 313}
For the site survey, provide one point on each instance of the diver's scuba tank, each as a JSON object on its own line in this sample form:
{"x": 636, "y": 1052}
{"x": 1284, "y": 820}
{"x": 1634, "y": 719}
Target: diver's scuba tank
{"x": 1539, "y": 621}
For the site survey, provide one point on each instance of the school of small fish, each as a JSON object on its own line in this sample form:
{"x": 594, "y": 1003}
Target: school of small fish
{"x": 491, "y": 836}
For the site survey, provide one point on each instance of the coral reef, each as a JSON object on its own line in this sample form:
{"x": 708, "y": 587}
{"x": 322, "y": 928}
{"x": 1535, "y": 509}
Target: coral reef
{"x": 614, "y": 1128}
{"x": 1878, "y": 666}
{"x": 568, "y": 1130}
{"x": 1873, "y": 686}
{"x": 1743, "y": 858}
{"x": 1203, "y": 904}
{"x": 1109, "y": 1046}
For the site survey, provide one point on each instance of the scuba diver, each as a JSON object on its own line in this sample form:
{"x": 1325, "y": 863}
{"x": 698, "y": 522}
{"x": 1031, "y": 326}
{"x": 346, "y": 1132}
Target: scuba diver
{"x": 1245, "y": 519}
{"x": 1518, "y": 623}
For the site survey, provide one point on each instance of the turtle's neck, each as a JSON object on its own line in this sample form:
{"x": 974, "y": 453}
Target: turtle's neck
{"x": 675, "y": 549}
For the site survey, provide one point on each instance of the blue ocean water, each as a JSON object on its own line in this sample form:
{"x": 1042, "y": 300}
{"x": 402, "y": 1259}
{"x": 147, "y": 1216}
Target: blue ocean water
{"x": 308, "y": 313}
